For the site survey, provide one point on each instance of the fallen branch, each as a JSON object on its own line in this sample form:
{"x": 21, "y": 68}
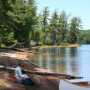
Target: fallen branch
{"x": 62, "y": 76}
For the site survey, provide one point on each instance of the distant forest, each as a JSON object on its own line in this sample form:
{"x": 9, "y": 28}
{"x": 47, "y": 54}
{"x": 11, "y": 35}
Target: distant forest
{"x": 22, "y": 26}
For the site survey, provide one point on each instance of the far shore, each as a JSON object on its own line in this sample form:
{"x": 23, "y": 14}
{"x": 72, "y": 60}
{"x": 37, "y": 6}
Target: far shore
{"x": 25, "y": 54}
{"x": 58, "y": 46}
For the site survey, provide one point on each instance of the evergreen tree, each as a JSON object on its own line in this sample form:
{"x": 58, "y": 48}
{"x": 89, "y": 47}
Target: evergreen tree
{"x": 24, "y": 21}
{"x": 63, "y": 26}
{"x": 6, "y": 33}
{"x": 74, "y": 29}
{"x": 54, "y": 27}
{"x": 45, "y": 18}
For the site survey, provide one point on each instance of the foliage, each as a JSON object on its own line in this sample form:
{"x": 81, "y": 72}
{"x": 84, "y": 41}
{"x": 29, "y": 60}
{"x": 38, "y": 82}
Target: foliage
{"x": 54, "y": 27}
{"x": 20, "y": 23}
{"x": 84, "y": 37}
{"x": 63, "y": 26}
{"x": 6, "y": 34}
{"x": 74, "y": 29}
{"x": 21, "y": 17}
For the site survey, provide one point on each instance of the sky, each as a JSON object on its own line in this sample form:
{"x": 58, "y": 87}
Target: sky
{"x": 78, "y": 8}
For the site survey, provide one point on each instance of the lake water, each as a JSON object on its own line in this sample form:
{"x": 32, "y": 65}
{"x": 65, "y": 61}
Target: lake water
{"x": 72, "y": 61}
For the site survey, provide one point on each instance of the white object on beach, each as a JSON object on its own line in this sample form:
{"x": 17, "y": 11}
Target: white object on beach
{"x": 64, "y": 85}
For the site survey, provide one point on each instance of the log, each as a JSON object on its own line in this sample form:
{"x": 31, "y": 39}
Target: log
{"x": 58, "y": 75}
{"x": 15, "y": 49}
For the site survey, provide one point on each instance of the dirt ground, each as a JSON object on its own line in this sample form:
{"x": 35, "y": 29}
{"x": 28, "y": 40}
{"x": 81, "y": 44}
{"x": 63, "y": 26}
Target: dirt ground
{"x": 7, "y": 81}
{"x": 42, "y": 83}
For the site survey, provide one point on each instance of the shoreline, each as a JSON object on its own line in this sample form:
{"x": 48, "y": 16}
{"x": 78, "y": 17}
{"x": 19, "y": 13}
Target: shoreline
{"x": 42, "y": 81}
{"x": 26, "y": 54}
{"x": 58, "y": 46}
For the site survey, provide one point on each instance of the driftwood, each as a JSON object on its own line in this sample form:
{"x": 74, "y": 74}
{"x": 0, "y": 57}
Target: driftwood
{"x": 11, "y": 48}
{"x": 58, "y": 75}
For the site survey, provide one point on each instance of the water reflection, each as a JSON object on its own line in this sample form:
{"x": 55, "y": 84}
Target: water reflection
{"x": 72, "y": 61}
{"x": 65, "y": 60}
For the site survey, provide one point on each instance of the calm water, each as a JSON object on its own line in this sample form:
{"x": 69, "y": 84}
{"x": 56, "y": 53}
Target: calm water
{"x": 73, "y": 61}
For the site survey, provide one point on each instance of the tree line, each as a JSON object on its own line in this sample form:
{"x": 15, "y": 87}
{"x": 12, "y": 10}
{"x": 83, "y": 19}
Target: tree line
{"x": 22, "y": 26}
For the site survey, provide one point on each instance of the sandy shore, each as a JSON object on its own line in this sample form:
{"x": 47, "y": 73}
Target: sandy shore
{"x": 6, "y": 77}
{"x": 60, "y": 46}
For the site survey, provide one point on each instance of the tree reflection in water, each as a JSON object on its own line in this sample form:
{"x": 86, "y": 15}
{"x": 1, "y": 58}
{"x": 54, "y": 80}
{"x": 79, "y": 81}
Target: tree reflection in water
{"x": 65, "y": 60}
